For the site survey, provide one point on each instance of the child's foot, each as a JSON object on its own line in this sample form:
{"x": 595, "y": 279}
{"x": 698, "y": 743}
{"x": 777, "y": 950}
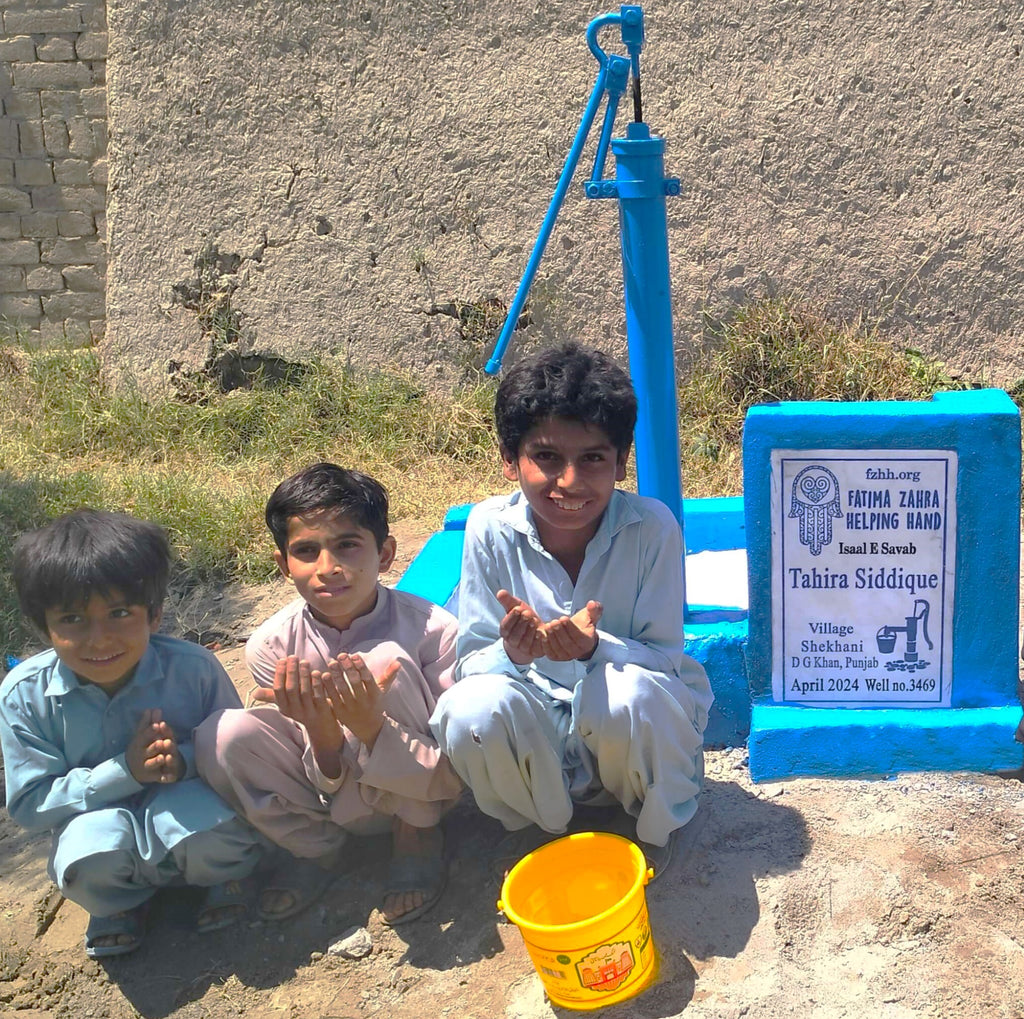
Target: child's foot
{"x": 656, "y": 857}
{"x": 119, "y": 934}
{"x": 417, "y": 874}
{"x": 296, "y": 884}
{"x": 680, "y": 845}
{"x": 223, "y": 906}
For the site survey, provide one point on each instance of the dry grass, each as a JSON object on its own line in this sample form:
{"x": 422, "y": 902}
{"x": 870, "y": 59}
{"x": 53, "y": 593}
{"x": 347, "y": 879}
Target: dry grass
{"x": 779, "y": 349}
{"x": 204, "y": 468}
{"x": 204, "y": 465}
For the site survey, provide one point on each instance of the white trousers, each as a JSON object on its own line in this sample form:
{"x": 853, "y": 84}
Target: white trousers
{"x": 528, "y": 757}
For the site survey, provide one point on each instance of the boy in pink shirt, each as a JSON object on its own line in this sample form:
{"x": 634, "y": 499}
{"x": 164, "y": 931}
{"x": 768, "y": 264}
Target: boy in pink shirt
{"x": 348, "y": 674}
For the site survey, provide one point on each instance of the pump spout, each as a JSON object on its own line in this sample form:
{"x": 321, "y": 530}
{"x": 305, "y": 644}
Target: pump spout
{"x": 922, "y": 615}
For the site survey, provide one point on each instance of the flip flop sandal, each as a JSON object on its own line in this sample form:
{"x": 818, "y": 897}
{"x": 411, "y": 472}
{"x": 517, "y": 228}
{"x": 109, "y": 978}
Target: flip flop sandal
{"x": 426, "y": 874}
{"x": 224, "y": 905}
{"x": 680, "y": 843}
{"x": 132, "y": 922}
{"x": 303, "y": 880}
{"x": 658, "y": 858}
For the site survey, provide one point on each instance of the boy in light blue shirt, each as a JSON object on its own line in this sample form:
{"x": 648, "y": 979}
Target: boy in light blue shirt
{"x": 96, "y": 732}
{"x": 572, "y": 683}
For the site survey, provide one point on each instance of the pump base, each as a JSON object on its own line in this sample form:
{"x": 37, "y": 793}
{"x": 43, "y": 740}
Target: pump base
{"x": 789, "y": 741}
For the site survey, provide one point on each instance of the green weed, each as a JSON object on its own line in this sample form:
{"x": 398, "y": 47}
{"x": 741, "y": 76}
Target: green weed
{"x": 779, "y": 349}
{"x": 204, "y": 464}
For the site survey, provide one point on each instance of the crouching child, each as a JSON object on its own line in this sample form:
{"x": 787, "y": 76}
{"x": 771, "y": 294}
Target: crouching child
{"x": 572, "y": 684}
{"x": 96, "y": 732}
{"x": 338, "y": 741}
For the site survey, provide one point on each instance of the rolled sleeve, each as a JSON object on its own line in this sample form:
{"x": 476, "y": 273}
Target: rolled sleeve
{"x": 322, "y": 784}
{"x": 491, "y": 660}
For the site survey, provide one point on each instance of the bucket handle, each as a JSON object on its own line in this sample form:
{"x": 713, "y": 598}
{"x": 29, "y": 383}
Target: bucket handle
{"x": 648, "y": 878}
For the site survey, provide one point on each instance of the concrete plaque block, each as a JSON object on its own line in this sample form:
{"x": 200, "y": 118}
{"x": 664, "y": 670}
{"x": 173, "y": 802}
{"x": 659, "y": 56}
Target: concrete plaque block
{"x": 883, "y": 552}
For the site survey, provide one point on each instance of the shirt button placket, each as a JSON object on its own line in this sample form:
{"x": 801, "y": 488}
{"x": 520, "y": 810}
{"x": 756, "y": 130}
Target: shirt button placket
{"x": 108, "y": 729}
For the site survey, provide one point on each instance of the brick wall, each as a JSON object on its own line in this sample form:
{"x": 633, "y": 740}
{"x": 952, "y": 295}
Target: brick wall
{"x": 53, "y": 168}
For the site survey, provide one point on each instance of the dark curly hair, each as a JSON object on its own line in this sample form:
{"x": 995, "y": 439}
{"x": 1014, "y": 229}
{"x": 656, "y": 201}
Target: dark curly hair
{"x": 569, "y": 381}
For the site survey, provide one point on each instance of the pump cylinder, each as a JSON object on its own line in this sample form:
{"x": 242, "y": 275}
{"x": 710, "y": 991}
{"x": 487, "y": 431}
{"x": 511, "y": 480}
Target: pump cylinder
{"x": 641, "y": 188}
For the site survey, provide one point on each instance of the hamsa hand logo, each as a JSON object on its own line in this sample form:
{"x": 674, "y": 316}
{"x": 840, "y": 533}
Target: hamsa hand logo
{"x": 815, "y": 500}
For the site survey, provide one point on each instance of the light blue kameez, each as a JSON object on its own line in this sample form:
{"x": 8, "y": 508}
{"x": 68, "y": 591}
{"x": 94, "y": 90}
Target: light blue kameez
{"x": 532, "y": 740}
{"x": 64, "y": 746}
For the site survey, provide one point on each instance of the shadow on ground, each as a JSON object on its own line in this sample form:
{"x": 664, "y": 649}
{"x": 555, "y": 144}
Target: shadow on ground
{"x": 704, "y": 905}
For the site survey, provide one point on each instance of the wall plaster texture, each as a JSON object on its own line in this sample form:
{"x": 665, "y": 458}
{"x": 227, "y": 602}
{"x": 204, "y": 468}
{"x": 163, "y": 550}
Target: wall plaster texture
{"x": 367, "y": 179}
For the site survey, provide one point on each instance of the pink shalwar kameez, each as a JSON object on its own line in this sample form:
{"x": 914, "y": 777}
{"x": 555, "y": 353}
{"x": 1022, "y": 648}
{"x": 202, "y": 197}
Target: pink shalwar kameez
{"x": 262, "y": 764}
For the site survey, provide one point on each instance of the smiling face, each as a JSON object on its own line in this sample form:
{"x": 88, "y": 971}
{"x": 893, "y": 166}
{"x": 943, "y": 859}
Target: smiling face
{"x": 567, "y": 471}
{"x": 103, "y": 640}
{"x": 334, "y": 564}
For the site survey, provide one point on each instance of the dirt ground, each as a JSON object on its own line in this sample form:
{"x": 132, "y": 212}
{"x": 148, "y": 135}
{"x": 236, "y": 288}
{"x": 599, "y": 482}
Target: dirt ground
{"x": 892, "y": 898}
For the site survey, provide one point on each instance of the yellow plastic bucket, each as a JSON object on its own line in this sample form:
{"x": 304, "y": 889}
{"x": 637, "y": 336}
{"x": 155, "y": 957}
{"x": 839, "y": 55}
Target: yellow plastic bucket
{"x": 580, "y": 905}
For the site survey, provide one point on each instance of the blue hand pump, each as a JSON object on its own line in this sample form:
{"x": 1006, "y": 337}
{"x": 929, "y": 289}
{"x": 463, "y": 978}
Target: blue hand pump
{"x": 640, "y": 186}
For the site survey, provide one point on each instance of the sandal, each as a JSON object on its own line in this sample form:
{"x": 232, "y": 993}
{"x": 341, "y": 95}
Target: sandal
{"x": 658, "y": 858}
{"x": 680, "y": 845}
{"x": 224, "y": 905}
{"x": 131, "y": 923}
{"x": 302, "y": 879}
{"x": 426, "y": 874}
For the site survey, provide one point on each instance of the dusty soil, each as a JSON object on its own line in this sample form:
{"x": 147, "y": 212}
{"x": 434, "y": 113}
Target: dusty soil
{"x": 891, "y": 898}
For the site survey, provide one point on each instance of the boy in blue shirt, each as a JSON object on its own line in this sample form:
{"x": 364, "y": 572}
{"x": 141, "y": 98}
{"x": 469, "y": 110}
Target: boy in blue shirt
{"x": 572, "y": 685}
{"x": 96, "y": 732}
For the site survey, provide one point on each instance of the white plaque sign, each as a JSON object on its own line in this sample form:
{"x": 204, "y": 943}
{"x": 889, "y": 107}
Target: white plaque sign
{"x": 863, "y": 568}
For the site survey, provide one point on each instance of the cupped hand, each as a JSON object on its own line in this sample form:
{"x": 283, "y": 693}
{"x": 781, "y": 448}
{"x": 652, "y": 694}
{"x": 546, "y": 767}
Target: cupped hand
{"x": 573, "y": 638}
{"x": 521, "y": 629}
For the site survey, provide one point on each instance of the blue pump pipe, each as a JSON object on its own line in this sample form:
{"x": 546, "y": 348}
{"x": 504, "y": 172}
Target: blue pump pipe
{"x": 640, "y": 187}
{"x": 620, "y": 67}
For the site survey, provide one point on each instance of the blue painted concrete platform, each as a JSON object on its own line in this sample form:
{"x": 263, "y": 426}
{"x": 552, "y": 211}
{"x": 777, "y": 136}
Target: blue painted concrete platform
{"x": 787, "y": 741}
{"x": 976, "y": 732}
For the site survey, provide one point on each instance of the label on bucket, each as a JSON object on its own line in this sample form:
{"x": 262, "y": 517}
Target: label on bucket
{"x": 593, "y": 975}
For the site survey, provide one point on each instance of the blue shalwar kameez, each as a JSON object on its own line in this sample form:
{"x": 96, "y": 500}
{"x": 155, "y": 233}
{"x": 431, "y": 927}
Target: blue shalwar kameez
{"x": 531, "y": 741}
{"x": 115, "y": 841}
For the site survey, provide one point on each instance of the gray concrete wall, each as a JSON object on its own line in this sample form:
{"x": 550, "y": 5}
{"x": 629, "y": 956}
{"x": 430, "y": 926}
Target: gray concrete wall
{"x": 53, "y": 170}
{"x": 367, "y": 179}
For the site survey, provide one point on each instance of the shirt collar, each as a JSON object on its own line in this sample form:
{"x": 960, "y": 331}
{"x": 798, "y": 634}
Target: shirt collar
{"x": 63, "y": 681}
{"x": 378, "y": 610}
{"x": 619, "y": 513}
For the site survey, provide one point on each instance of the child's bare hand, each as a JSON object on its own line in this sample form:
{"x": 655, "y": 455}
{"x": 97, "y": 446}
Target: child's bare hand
{"x": 300, "y": 695}
{"x": 573, "y": 637}
{"x": 152, "y": 755}
{"x": 521, "y": 629}
{"x": 355, "y": 695}
{"x": 163, "y": 752}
